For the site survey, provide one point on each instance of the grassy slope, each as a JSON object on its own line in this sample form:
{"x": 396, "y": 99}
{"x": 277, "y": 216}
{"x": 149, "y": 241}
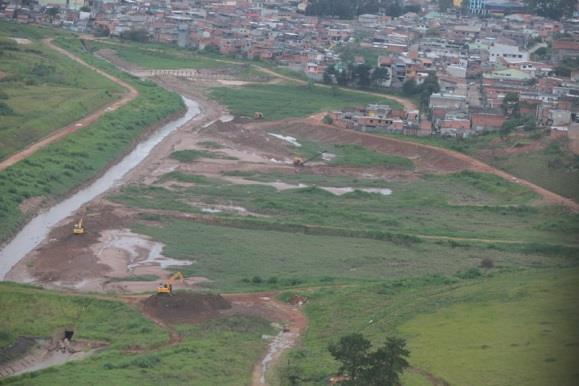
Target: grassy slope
{"x": 46, "y": 91}
{"x": 221, "y": 352}
{"x": 552, "y": 166}
{"x": 465, "y": 205}
{"x": 512, "y": 328}
{"x": 58, "y": 168}
{"x": 285, "y": 101}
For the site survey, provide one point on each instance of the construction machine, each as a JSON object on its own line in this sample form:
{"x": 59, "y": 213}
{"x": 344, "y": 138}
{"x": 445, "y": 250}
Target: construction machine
{"x": 78, "y": 228}
{"x": 300, "y": 162}
{"x": 167, "y": 287}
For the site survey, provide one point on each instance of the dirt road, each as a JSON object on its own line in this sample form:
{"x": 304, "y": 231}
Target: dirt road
{"x": 59, "y": 134}
{"x": 476, "y": 165}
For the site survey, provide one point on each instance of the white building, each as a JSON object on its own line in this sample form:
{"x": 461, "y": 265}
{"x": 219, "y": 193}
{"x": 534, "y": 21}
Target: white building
{"x": 507, "y": 51}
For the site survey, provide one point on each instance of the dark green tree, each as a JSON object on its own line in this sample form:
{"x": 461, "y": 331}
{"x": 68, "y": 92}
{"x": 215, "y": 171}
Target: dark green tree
{"x": 329, "y": 74}
{"x": 427, "y": 88}
{"x": 380, "y": 75}
{"x": 361, "y": 75}
{"x": 410, "y": 88}
{"x": 352, "y": 352}
{"x": 554, "y": 9}
{"x": 387, "y": 364}
{"x": 510, "y": 105}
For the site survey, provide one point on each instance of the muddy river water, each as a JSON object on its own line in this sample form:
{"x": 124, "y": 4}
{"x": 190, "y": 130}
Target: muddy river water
{"x": 39, "y": 227}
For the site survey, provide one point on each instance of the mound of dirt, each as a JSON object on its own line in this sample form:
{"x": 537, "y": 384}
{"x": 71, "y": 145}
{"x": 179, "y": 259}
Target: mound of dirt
{"x": 185, "y": 307}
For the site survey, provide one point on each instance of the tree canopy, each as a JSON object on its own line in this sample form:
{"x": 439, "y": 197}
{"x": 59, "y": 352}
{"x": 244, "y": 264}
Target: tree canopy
{"x": 382, "y": 367}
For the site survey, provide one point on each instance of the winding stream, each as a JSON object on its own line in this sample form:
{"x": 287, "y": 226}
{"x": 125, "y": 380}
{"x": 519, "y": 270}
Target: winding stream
{"x": 39, "y": 227}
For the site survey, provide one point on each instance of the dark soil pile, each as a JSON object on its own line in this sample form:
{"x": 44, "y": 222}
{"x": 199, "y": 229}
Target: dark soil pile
{"x": 185, "y": 307}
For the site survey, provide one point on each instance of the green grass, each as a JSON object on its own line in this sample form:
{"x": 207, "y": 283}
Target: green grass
{"x": 286, "y": 101}
{"x": 37, "y": 312}
{"x": 467, "y": 205}
{"x": 216, "y": 352}
{"x": 55, "y": 170}
{"x": 188, "y": 156}
{"x": 151, "y": 57}
{"x": 233, "y": 257}
{"x": 45, "y": 91}
{"x": 552, "y": 166}
{"x": 505, "y": 329}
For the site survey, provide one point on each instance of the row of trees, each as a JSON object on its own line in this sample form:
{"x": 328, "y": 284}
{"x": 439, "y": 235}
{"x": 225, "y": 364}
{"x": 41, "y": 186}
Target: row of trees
{"x": 349, "y": 9}
{"x": 553, "y": 9}
{"x": 361, "y": 75}
{"x": 382, "y": 367}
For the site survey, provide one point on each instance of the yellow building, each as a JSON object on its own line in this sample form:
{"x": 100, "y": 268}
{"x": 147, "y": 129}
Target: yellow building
{"x": 457, "y": 3}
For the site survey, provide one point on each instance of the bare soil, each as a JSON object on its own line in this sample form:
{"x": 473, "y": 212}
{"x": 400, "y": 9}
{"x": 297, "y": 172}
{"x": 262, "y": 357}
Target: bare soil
{"x": 185, "y": 307}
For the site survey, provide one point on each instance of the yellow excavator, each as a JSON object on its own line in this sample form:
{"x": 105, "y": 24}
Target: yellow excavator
{"x": 300, "y": 162}
{"x": 167, "y": 287}
{"x": 78, "y": 228}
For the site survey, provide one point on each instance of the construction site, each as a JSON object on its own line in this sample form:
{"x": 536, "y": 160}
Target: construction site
{"x": 209, "y": 227}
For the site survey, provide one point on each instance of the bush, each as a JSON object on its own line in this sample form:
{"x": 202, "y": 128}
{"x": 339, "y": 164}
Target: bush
{"x": 487, "y": 263}
{"x": 5, "y": 109}
{"x": 328, "y": 120}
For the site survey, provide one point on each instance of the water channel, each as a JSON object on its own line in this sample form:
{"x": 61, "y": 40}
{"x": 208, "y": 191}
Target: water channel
{"x": 39, "y": 227}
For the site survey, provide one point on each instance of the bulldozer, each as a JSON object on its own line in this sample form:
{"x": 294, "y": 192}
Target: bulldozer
{"x": 78, "y": 228}
{"x": 300, "y": 162}
{"x": 167, "y": 287}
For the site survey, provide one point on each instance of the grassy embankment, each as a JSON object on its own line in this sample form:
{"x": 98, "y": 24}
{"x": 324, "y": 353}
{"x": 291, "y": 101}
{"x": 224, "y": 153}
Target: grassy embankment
{"x": 197, "y": 359}
{"x": 275, "y": 101}
{"x": 548, "y": 162}
{"x": 498, "y": 329}
{"x": 44, "y": 91}
{"x": 53, "y": 171}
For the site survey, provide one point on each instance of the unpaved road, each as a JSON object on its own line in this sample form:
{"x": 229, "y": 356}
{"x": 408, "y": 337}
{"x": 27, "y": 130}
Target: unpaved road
{"x": 59, "y": 134}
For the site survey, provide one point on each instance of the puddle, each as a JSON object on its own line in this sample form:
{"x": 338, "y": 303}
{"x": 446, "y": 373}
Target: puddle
{"x": 280, "y": 343}
{"x": 341, "y": 191}
{"x": 33, "y": 233}
{"x": 328, "y": 157}
{"x": 139, "y": 250}
{"x": 226, "y": 118}
{"x": 287, "y": 138}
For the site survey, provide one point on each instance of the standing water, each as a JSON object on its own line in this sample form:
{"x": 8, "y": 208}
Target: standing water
{"x": 38, "y": 228}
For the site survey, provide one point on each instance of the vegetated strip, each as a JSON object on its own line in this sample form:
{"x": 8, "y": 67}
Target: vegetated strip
{"x": 55, "y": 170}
{"x": 396, "y": 238}
{"x": 131, "y": 94}
{"x": 479, "y": 166}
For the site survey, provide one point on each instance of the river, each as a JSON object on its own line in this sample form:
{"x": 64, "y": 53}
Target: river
{"x": 40, "y": 226}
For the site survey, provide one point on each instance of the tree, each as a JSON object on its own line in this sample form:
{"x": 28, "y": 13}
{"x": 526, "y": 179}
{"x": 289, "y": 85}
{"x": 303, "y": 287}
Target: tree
{"x": 554, "y": 9}
{"x": 352, "y": 352}
{"x": 511, "y": 105}
{"x": 52, "y": 12}
{"x": 427, "y": 88}
{"x": 380, "y": 75}
{"x": 329, "y": 74}
{"x": 387, "y": 364}
{"x": 361, "y": 75}
{"x": 380, "y": 368}
{"x": 410, "y": 87}
{"x": 136, "y": 35}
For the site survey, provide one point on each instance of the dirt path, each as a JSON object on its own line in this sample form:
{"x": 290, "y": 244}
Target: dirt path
{"x": 408, "y": 105}
{"x": 293, "y": 320}
{"x": 59, "y": 134}
{"x": 467, "y": 162}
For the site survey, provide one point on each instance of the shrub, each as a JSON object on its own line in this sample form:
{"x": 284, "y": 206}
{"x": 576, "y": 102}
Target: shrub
{"x": 487, "y": 263}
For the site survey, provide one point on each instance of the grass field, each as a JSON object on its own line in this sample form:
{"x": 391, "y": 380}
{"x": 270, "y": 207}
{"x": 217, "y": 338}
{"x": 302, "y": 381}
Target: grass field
{"x": 552, "y": 165}
{"x": 464, "y": 205}
{"x": 45, "y": 91}
{"x": 219, "y": 352}
{"x": 286, "y": 101}
{"x": 503, "y": 329}
{"x": 55, "y": 170}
